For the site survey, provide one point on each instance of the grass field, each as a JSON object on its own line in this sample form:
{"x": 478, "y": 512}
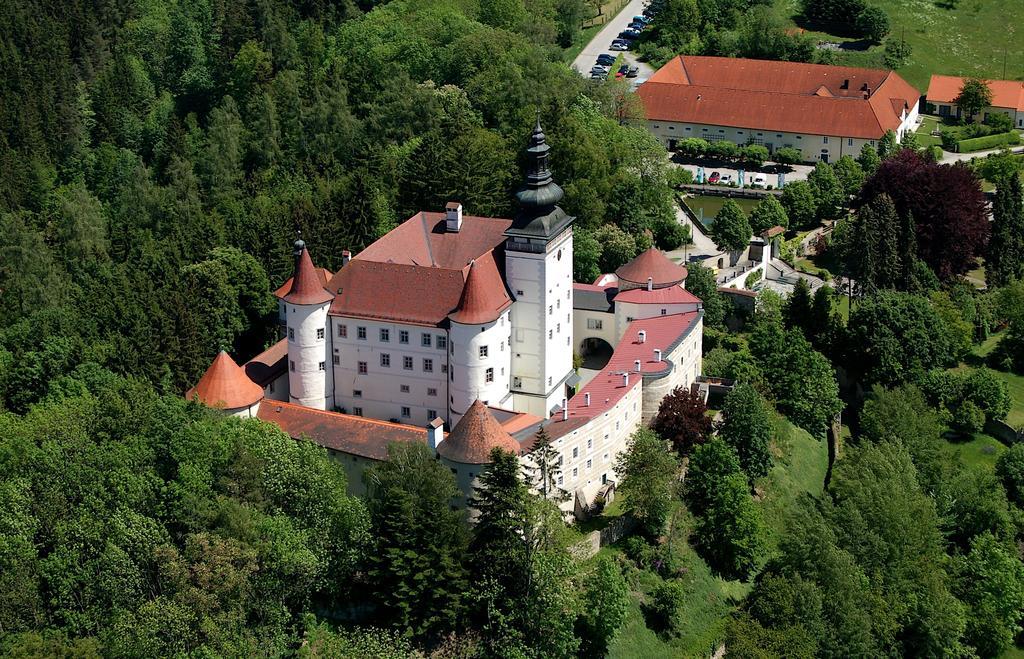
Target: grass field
{"x": 964, "y": 37}
{"x": 1014, "y": 382}
{"x": 981, "y": 451}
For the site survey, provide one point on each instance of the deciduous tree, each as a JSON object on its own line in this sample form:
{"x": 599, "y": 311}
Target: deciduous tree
{"x": 683, "y": 420}
{"x": 647, "y": 472}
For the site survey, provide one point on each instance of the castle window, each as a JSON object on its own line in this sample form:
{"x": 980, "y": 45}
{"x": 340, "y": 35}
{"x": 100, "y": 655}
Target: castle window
{"x": 483, "y": 352}
{"x": 431, "y": 391}
{"x": 407, "y": 363}
{"x": 428, "y": 365}
{"x": 590, "y": 443}
{"x": 517, "y": 383}
{"x": 594, "y": 324}
{"x": 291, "y": 333}
{"x": 561, "y": 479}
{"x": 575, "y": 452}
{"x": 431, "y": 414}
{"x": 385, "y": 359}
{"x": 406, "y": 412}
{"x": 519, "y": 294}
{"x": 575, "y": 472}
{"x": 558, "y": 328}
{"x": 337, "y": 360}
{"x": 550, "y": 310}
{"x": 442, "y": 341}
{"x": 320, "y": 333}
{"x": 425, "y": 340}
{"x": 362, "y": 368}
{"x": 558, "y": 303}
{"x": 489, "y": 375}
{"x": 588, "y": 464}
{"x": 824, "y": 140}
{"x": 403, "y": 336}
{"x": 385, "y": 335}
{"x": 444, "y": 368}
{"x": 361, "y": 333}
{"x": 549, "y": 380}
{"x": 404, "y": 388}
{"x": 291, "y": 365}
{"x": 551, "y": 334}
{"x": 358, "y": 411}
{"x": 357, "y": 393}
{"x": 664, "y": 311}
{"x": 503, "y": 346}
{"x": 323, "y": 366}
{"x": 849, "y": 141}
{"x": 343, "y": 331}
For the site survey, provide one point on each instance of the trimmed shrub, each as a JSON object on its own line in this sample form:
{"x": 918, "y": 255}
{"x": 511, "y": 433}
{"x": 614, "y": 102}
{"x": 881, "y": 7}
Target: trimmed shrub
{"x": 988, "y": 142}
{"x": 787, "y": 155}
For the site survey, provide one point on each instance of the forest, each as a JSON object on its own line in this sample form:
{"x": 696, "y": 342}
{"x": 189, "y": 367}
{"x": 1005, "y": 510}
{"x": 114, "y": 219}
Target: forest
{"x": 159, "y": 159}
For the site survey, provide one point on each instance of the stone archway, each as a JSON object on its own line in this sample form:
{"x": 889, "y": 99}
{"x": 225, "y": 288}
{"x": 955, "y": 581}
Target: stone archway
{"x": 596, "y": 353}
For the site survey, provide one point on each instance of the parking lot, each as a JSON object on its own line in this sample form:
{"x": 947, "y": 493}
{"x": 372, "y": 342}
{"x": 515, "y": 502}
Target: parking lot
{"x": 799, "y": 173}
{"x": 603, "y": 40}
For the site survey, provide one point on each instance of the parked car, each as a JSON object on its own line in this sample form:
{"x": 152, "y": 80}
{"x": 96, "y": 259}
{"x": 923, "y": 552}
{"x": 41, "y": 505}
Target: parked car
{"x": 726, "y": 179}
{"x": 629, "y": 35}
{"x": 633, "y": 71}
{"x": 759, "y": 180}
{"x": 624, "y": 69}
{"x": 641, "y": 19}
{"x": 603, "y": 70}
{"x": 618, "y": 44}
{"x": 715, "y": 176}
{"x": 606, "y": 59}
{"x": 639, "y": 27}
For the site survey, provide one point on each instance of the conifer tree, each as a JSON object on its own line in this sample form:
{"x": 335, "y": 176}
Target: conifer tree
{"x": 797, "y": 312}
{"x": 546, "y": 466}
{"x": 1004, "y": 260}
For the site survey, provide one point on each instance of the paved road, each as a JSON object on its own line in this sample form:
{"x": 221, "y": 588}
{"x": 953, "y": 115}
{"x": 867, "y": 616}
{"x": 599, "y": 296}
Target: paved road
{"x": 600, "y": 43}
{"x": 950, "y": 158}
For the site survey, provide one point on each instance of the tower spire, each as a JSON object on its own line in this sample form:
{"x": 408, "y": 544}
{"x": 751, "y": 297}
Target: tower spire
{"x": 539, "y": 214}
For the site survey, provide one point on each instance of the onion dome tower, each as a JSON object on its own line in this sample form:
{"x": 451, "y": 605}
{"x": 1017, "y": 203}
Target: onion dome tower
{"x": 226, "y": 386}
{"x": 310, "y": 380}
{"x": 538, "y": 269}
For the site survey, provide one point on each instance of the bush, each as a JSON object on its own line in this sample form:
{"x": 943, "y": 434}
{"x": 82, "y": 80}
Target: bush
{"x": 787, "y": 155}
{"x": 968, "y": 418}
{"x": 666, "y": 601}
{"x": 640, "y": 551}
{"x": 1010, "y": 470}
{"x": 988, "y": 392}
{"x": 999, "y": 122}
{"x": 988, "y": 142}
{"x": 692, "y": 146}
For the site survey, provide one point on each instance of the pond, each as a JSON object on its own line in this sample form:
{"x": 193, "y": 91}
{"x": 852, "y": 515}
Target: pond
{"x": 707, "y": 206}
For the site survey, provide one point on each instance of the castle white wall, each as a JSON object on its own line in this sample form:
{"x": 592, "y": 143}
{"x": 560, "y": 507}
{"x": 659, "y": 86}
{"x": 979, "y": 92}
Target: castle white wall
{"x": 588, "y": 453}
{"x": 627, "y": 312}
{"x": 686, "y": 361}
{"x": 541, "y": 283}
{"x": 244, "y": 412}
{"x": 309, "y": 349}
{"x": 593, "y": 324}
{"x": 277, "y": 389}
{"x": 471, "y": 370}
{"x": 380, "y": 392}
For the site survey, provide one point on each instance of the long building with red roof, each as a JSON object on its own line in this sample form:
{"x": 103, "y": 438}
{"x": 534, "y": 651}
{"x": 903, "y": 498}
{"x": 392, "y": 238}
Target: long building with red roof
{"x": 1007, "y": 98}
{"x": 824, "y": 111}
{"x": 470, "y": 323}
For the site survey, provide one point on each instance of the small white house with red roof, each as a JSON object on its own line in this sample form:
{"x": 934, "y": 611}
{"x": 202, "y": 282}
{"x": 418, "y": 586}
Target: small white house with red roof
{"x": 470, "y": 323}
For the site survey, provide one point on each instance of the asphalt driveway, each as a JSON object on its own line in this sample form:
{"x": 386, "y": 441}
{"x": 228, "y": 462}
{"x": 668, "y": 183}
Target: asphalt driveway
{"x": 601, "y": 42}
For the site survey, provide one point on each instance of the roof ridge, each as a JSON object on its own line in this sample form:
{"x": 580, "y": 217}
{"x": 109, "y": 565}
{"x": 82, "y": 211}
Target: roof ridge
{"x": 361, "y": 419}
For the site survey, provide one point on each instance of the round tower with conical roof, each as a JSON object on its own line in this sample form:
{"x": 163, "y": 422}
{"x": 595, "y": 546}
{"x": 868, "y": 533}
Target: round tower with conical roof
{"x": 479, "y": 336}
{"x": 310, "y": 381}
{"x": 538, "y": 269}
{"x": 225, "y": 386}
{"x": 467, "y": 448}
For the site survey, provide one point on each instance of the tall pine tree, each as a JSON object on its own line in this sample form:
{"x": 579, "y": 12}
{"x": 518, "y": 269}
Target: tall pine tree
{"x": 1004, "y": 260}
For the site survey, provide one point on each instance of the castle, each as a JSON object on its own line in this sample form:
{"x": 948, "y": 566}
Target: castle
{"x": 470, "y": 323}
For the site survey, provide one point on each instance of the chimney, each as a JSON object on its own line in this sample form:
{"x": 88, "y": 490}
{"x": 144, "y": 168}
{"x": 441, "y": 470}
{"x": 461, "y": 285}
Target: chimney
{"x": 846, "y": 84}
{"x": 650, "y": 283}
{"x": 435, "y": 433}
{"x": 636, "y": 365}
{"x": 453, "y": 216}
{"x": 586, "y": 399}
{"x": 346, "y": 256}
{"x": 657, "y": 355}
{"x": 565, "y": 410}
{"x": 625, "y": 379}
{"x": 642, "y": 336}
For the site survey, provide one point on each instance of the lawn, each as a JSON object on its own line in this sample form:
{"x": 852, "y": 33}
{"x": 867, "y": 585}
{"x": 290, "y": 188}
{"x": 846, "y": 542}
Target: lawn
{"x": 1014, "y": 382}
{"x": 968, "y": 37}
{"x": 981, "y": 451}
{"x": 924, "y": 132}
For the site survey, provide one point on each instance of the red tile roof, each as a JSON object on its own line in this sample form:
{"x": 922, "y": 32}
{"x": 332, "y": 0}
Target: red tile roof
{"x": 307, "y": 288}
{"x": 1005, "y": 93}
{"x": 323, "y": 274}
{"x": 484, "y": 297}
{"x": 265, "y": 367}
{"x": 474, "y": 437}
{"x": 607, "y": 387}
{"x": 652, "y": 263}
{"x": 225, "y": 385}
{"x": 423, "y": 241}
{"x": 395, "y": 292}
{"x": 670, "y": 295}
{"x": 416, "y": 273}
{"x": 356, "y": 435}
{"x": 791, "y": 97}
